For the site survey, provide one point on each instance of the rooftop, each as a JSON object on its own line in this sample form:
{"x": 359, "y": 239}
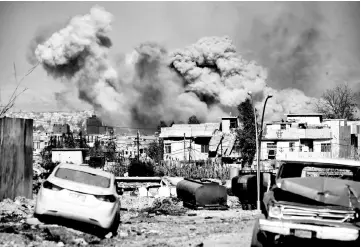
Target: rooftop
{"x": 189, "y": 130}
{"x": 303, "y": 114}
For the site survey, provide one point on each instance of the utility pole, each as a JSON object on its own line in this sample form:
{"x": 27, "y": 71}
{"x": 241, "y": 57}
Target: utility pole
{"x": 222, "y": 151}
{"x": 184, "y": 143}
{"x": 138, "y": 144}
{"x": 189, "y": 151}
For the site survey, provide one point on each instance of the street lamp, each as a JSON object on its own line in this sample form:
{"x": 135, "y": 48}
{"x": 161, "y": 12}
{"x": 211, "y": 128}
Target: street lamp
{"x": 259, "y": 154}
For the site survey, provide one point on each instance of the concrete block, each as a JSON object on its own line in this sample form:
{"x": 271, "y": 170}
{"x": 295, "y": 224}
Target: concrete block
{"x": 143, "y": 191}
{"x": 164, "y": 191}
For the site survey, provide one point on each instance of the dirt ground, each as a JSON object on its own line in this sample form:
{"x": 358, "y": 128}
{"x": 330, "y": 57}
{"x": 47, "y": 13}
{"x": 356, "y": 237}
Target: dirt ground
{"x": 138, "y": 227}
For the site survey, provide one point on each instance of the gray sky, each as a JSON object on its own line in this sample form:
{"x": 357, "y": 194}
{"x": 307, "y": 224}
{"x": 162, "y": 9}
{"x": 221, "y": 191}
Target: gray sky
{"x": 310, "y": 46}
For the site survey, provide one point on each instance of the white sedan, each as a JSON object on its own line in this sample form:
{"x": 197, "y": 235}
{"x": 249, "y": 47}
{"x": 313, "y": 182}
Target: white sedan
{"x": 80, "y": 193}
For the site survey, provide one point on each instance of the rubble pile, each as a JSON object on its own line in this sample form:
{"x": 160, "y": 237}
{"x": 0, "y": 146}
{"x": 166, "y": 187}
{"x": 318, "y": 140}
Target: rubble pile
{"x": 16, "y": 210}
{"x": 166, "y": 206}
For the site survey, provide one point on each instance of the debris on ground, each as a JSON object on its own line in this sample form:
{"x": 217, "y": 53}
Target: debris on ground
{"x": 166, "y": 206}
{"x": 16, "y": 210}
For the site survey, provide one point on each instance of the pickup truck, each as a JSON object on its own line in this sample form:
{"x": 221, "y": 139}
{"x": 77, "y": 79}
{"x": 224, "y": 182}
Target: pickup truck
{"x": 313, "y": 202}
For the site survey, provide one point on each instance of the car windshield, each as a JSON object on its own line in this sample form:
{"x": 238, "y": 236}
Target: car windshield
{"x": 302, "y": 170}
{"x": 83, "y": 177}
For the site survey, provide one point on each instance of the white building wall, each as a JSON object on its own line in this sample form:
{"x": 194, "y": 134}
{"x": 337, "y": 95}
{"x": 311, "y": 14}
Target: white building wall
{"x": 74, "y": 157}
{"x": 177, "y": 150}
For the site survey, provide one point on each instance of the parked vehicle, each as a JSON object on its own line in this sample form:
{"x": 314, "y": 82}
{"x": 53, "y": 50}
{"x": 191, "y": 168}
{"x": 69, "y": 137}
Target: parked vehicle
{"x": 312, "y": 201}
{"x": 80, "y": 193}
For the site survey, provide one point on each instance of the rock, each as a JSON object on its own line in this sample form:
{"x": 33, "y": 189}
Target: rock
{"x": 60, "y": 244}
{"x": 109, "y": 235}
{"x": 80, "y": 241}
{"x": 208, "y": 217}
{"x": 33, "y": 221}
{"x": 164, "y": 192}
{"x": 123, "y": 234}
{"x": 192, "y": 214}
{"x": 143, "y": 191}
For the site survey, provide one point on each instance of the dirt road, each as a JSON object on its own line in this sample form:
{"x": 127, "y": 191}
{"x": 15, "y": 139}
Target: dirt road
{"x": 195, "y": 228}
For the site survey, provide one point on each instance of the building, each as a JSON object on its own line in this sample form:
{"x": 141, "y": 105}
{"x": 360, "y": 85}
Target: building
{"x": 222, "y": 143}
{"x": 187, "y": 141}
{"x": 94, "y": 126}
{"x": 59, "y": 129}
{"x": 127, "y": 146}
{"x": 306, "y": 135}
{"x": 355, "y": 137}
{"x": 40, "y": 141}
{"x": 69, "y": 155}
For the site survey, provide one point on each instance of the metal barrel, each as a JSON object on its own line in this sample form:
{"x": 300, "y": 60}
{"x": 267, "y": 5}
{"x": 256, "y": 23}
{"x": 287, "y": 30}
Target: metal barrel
{"x": 202, "y": 193}
{"x": 245, "y": 187}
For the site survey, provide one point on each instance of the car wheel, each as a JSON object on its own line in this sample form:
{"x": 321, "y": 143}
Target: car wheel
{"x": 40, "y": 217}
{"x": 114, "y": 228}
{"x": 259, "y": 238}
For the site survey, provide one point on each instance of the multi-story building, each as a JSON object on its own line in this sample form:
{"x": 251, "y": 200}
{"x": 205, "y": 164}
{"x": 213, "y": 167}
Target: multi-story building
{"x": 306, "y": 135}
{"x": 94, "y": 126}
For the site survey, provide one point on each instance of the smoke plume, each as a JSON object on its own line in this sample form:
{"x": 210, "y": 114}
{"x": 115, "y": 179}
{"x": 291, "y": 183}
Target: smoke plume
{"x": 207, "y": 79}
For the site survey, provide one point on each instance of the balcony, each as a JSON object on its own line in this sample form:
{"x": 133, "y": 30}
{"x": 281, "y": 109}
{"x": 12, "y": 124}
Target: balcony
{"x": 295, "y": 134}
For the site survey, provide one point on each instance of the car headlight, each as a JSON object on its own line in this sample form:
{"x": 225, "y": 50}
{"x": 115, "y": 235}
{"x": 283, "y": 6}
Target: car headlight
{"x": 357, "y": 214}
{"x": 275, "y": 211}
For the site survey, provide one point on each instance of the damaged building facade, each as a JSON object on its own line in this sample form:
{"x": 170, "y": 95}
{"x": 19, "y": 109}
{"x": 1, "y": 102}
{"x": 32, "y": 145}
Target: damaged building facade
{"x": 200, "y": 141}
{"x": 307, "y": 136}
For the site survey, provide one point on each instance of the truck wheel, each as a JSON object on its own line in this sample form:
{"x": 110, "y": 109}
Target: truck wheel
{"x": 259, "y": 238}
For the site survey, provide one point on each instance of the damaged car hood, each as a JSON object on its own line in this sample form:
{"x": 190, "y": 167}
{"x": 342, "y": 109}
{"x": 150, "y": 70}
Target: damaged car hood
{"x": 325, "y": 190}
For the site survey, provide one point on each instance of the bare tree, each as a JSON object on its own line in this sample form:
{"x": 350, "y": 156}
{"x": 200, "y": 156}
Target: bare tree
{"x": 10, "y": 104}
{"x": 338, "y": 103}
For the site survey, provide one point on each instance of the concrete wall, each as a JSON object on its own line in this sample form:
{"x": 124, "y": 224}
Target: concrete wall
{"x": 75, "y": 157}
{"x": 283, "y": 150}
{"x": 177, "y": 150}
{"x": 306, "y": 119}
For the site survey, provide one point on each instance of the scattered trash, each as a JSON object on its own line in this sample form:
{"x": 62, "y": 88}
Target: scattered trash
{"x": 166, "y": 206}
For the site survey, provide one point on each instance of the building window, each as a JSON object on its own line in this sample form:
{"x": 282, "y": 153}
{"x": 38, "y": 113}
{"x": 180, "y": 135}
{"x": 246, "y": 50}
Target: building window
{"x": 271, "y": 150}
{"x": 292, "y": 146}
{"x": 204, "y": 148}
{"x": 233, "y": 123}
{"x": 325, "y": 147}
{"x": 271, "y": 154}
{"x": 168, "y": 148}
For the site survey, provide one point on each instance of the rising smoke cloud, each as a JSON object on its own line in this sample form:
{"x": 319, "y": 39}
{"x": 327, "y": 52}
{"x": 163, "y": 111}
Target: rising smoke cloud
{"x": 207, "y": 79}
